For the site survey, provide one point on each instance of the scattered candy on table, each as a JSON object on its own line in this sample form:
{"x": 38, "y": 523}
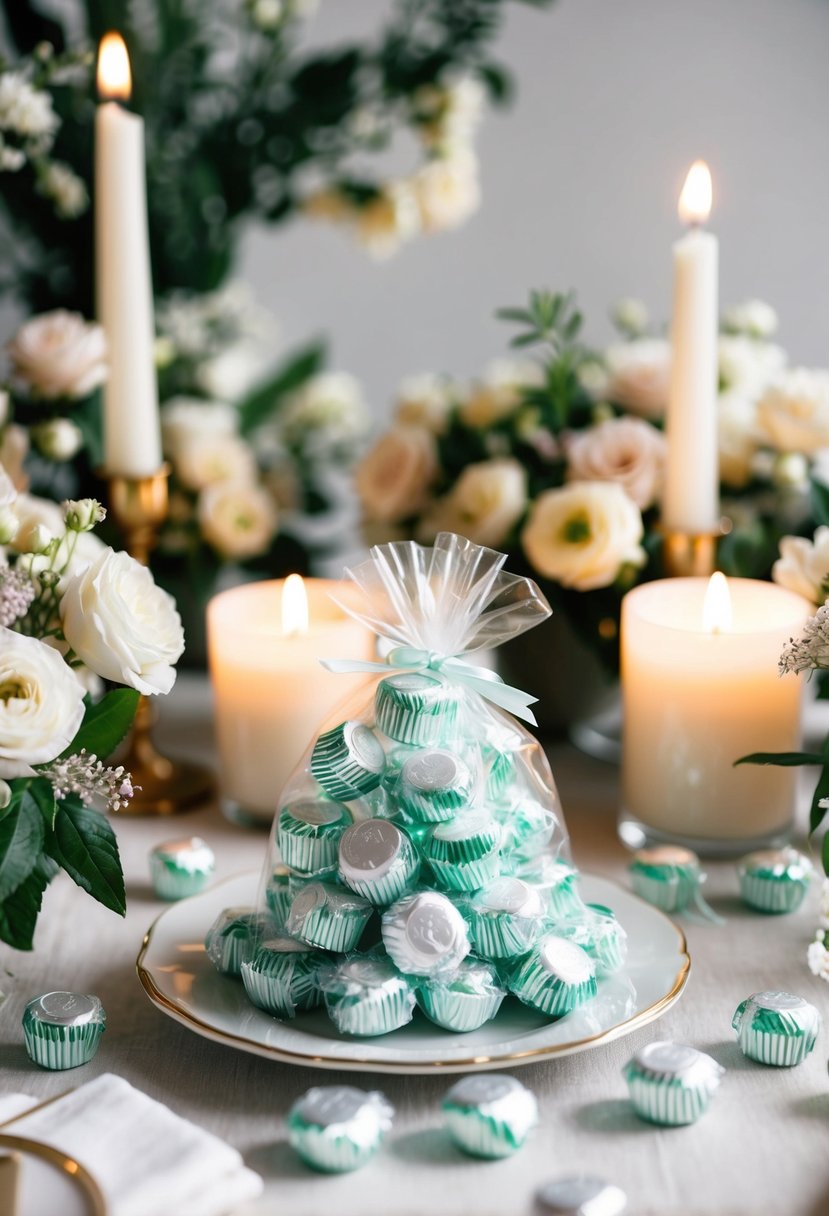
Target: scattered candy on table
{"x": 63, "y": 1029}
{"x": 667, "y": 876}
{"x": 180, "y": 868}
{"x": 336, "y": 1128}
{"x": 490, "y": 1115}
{"x": 776, "y": 1028}
{"x": 775, "y": 880}
{"x": 581, "y": 1195}
{"x": 670, "y": 1083}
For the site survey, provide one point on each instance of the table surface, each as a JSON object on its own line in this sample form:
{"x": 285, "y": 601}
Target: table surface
{"x": 760, "y": 1149}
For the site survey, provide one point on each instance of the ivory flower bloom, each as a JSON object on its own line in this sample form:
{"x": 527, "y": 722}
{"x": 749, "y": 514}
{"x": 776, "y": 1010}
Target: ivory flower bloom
{"x": 794, "y": 411}
{"x": 215, "y": 458}
{"x": 626, "y": 450}
{"x": 639, "y": 375}
{"x": 14, "y": 448}
{"x": 41, "y": 704}
{"x": 746, "y": 366}
{"x": 447, "y": 191}
{"x": 121, "y": 625}
{"x": 425, "y": 400}
{"x": 499, "y": 395}
{"x": 484, "y": 505}
{"x": 59, "y": 354}
{"x": 383, "y": 224}
{"x": 237, "y": 518}
{"x": 394, "y": 478}
{"x": 583, "y": 534}
{"x": 803, "y": 565}
{"x": 185, "y": 420}
{"x": 753, "y": 317}
{"x": 737, "y": 438}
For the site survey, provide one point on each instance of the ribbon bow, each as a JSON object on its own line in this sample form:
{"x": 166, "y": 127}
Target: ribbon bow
{"x": 451, "y": 669}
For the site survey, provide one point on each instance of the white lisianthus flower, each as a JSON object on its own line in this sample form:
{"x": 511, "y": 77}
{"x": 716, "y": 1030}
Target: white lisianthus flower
{"x": 583, "y": 534}
{"x": 500, "y": 393}
{"x": 387, "y": 221}
{"x": 794, "y": 411}
{"x": 746, "y": 366}
{"x": 448, "y": 191}
{"x": 59, "y": 354}
{"x": 638, "y": 376}
{"x": 803, "y": 565}
{"x": 211, "y": 459}
{"x": 66, "y": 190}
{"x": 327, "y": 411}
{"x": 738, "y": 439}
{"x": 626, "y": 450}
{"x": 26, "y": 110}
{"x": 755, "y": 318}
{"x": 484, "y": 505}
{"x": 41, "y": 704}
{"x": 58, "y": 440}
{"x": 185, "y": 420}
{"x": 394, "y": 478}
{"x": 121, "y": 625}
{"x": 238, "y": 519}
{"x": 426, "y": 400}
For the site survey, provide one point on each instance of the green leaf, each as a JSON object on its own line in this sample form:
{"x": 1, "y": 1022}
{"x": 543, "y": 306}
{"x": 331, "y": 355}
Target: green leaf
{"x": 21, "y": 840}
{"x": 782, "y": 759}
{"x": 43, "y": 796}
{"x": 263, "y": 400}
{"x": 105, "y": 723}
{"x": 84, "y": 845}
{"x": 816, "y": 812}
{"x": 819, "y": 501}
{"x": 19, "y": 911}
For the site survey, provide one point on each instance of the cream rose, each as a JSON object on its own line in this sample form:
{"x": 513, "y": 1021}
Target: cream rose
{"x": 794, "y": 411}
{"x": 59, "y": 354}
{"x": 803, "y": 565}
{"x": 238, "y": 519}
{"x": 41, "y": 704}
{"x": 426, "y": 400}
{"x": 626, "y": 450}
{"x": 121, "y": 625}
{"x": 583, "y": 534}
{"x": 484, "y": 505}
{"x": 499, "y": 395}
{"x": 211, "y": 459}
{"x": 394, "y": 478}
{"x": 186, "y": 420}
{"x": 448, "y": 191}
{"x": 638, "y": 376}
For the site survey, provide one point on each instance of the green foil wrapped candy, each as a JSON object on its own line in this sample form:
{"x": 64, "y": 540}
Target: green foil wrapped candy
{"x": 667, "y": 876}
{"x": 63, "y": 1029}
{"x": 671, "y": 1084}
{"x": 283, "y": 976}
{"x": 434, "y": 785}
{"x": 232, "y": 938}
{"x": 777, "y": 1028}
{"x": 505, "y": 918}
{"x": 465, "y": 1000}
{"x": 774, "y": 880}
{"x": 328, "y": 916}
{"x": 490, "y": 1115}
{"x": 366, "y": 995}
{"x": 180, "y": 868}
{"x": 377, "y": 860}
{"x": 464, "y": 853}
{"x": 348, "y": 761}
{"x": 336, "y": 1128}
{"x": 425, "y": 934}
{"x": 556, "y": 977}
{"x": 309, "y": 834}
{"x": 416, "y": 709}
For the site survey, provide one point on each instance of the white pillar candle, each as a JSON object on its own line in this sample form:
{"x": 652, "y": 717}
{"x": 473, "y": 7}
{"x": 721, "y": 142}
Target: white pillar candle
{"x": 271, "y": 693}
{"x": 696, "y": 698}
{"x": 690, "y": 501}
{"x": 132, "y": 434}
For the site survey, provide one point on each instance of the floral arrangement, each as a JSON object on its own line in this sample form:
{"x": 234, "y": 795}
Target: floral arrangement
{"x": 560, "y": 459}
{"x": 72, "y": 613}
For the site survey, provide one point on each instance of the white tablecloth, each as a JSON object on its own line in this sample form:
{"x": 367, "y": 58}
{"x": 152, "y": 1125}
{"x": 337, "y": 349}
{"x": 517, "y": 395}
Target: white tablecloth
{"x": 761, "y": 1150}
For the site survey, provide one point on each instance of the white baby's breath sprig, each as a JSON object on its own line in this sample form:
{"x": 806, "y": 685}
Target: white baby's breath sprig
{"x": 810, "y": 651}
{"x": 84, "y": 775}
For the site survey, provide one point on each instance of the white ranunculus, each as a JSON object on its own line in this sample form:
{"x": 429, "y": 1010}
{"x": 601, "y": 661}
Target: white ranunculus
{"x": 738, "y": 439}
{"x": 387, "y": 221}
{"x": 583, "y": 534}
{"x": 755, "y": 318}
{"x": 59, "y": 439}
{"x": 394, "y": 478}
{"x": 746, "y": 366}
{"x": 448, "y": 191}
{"x": 639, "y": 376}
{"x": 485, "y": 504}
{"x": 121, "y": 625}
{"x": 793, "y": 412}
{"x": 426, "y": 400}
{"x": 186, "y": 419}
{"x": 211, "y": 459}
{"x": 238, "y": 519}
{"x": 59, "y": 354}
{"x": 626, "y": 450}
{"x": 41, "y": 704}
{"x": 500, "y": 393}
{"x": 803, "y": 565}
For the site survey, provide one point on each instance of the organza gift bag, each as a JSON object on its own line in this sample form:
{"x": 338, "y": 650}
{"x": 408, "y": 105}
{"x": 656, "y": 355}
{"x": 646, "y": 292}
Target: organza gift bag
{"x": 419, "y": 855}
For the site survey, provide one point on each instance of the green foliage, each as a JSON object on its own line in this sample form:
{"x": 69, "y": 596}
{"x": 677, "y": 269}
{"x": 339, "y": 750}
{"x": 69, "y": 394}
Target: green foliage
{"x": 817, "y": 813}
{"x": 84, "y": 845}
{"x": 263, "y": 402}
{"x": 105, "y": 723}
{"x": 19, "y": 911}
{"x": 21, "y": 840}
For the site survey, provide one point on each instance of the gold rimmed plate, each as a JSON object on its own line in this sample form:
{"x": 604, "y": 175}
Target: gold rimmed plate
{"x": 179, "y": 978}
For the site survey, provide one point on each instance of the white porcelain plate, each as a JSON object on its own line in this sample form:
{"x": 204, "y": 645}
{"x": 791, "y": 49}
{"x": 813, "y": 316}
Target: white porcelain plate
{"x": 180, "y": 979}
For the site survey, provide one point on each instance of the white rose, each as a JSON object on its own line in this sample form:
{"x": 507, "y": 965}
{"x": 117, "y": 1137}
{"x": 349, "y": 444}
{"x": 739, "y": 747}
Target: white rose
{"x": 738, "y": 439}
{"x": 59, "y": 439}
{"x": 327, "y": 410}
{"x": 747, "y": 366}
{"x": 626, "y": 450}
{"x": 383, "y": 224}
{"x": 59, "y": 354}
{"x": 121, "y": 625}
{"x": 14, "y": 448}
{"x": 803, "y": 565}
{"x": 238, "y": 519}
{"x": 639, "y": 376}
{"x": 500, "y": 393}
{"x": 753, "y": 317}
{"x": 425, "y": 400}
{"x": 447, "y": 191}
{"x": 41, "y": 704}
{"x": 794, "y": 411}
{"x": 211, "y": 459}
{"x": 394, "y": 478}
{"x": 185, "y": 419}
{"x": 485, "y": 504}
{"x": 583, "y": 534}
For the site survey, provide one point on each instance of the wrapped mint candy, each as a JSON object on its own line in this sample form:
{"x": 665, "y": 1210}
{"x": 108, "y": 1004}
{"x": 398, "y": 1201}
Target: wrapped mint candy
{"x": 231, "y": 939}
{"x": 490, "y": 1115}
{"x": 179, "y": 868}
{"x": 283, "y": 976}
{"x": 425, "y": 934}
{"x": 348, "y": 761}
{"x": 63, "y": 1029}
{"x": 601, "y": 936}
{"x": 416, "y": 709}
{"x": 465, "y": 1000}
{"x": 667, "y": 876}
{"x": 309, "y": 835}
{"x": 558, "y": 884}
{"x": 433, "y": 785}
{"x": 527, "y": 829}
{"x": 365, "y": 995}
{"x": 464, "y": 853}
{"x": 582, "y": 1195}
{"x": 776, "y": 1028}
{"x": 555, "y": 977}
{"x": 500, "y": 771}
{"x": 505, "y": 918}
{"x": 774, "y": 880}
{"x": 670, "y": 1083}
{"x": 335, "y": 1128}
{"x": 330, "y": 917}
{"x": 377, "y": 860}
{"x": 279, "y": 895}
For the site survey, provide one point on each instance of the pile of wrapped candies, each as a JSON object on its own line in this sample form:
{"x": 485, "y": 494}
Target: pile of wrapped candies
{"x": 419, "y": 861}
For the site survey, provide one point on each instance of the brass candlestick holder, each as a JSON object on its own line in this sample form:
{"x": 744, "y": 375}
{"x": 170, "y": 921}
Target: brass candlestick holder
{"x": 689, "y": 554}
{"x": 162, "y": 786}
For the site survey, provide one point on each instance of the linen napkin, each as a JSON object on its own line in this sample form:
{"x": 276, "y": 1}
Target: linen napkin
{"x": 146, "y": 1160}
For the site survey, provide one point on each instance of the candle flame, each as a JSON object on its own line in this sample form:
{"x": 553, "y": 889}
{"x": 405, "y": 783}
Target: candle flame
{"x": 114, "y": 77}
{"x": 294, "y": 606}
{"x": 716, "y": 607}
{"x": 696, "y": 196}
